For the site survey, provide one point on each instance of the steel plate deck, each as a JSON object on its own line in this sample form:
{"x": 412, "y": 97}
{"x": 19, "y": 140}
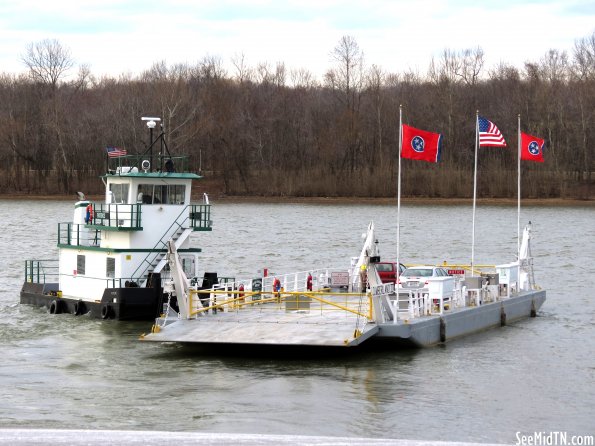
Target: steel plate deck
{"x": 261, "y": 325}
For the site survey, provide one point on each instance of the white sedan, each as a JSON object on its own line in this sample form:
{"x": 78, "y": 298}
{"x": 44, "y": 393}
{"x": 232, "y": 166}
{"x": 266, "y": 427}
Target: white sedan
{"x": 417, "y": 277}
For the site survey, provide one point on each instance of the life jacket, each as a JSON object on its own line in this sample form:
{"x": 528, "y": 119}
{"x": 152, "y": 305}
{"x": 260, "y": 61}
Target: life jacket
{"x": 89, "y": 211}
{"x": 277, "y": 285}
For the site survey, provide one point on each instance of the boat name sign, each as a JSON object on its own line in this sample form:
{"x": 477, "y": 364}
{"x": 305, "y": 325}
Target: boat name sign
{"x": 385, "y": 288}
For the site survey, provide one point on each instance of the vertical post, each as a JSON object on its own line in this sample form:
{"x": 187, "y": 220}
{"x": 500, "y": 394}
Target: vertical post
{"x": 151, "y": 148}
{"x": 519, "y": 191}
{"x": 474, "y": 192}
{"x": 518, "y": 222}
{"x": 399, "y": 189}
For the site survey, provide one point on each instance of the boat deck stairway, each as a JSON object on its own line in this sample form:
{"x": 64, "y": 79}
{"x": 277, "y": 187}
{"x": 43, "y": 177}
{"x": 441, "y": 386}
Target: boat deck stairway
{"x": 320, "y": 318}
{"x": 194, "y": 217}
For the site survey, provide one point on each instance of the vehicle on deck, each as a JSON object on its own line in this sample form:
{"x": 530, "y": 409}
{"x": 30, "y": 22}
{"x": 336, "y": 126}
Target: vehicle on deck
{"x": 388, "y": 271}
{"x": 417, "y": 277}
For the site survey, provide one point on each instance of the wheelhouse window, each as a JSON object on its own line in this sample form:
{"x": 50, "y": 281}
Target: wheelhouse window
{"x": 161, "y": 194}
{"x": 119, "y": 193}
{"x": 110, "y": 267}
{"x": 80, "y": 264}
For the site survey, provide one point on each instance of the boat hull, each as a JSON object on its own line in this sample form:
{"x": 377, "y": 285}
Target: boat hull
{"x": 429, "y": 331}
{"x": 133, "y": 304}
{"x": 257, "y": 328}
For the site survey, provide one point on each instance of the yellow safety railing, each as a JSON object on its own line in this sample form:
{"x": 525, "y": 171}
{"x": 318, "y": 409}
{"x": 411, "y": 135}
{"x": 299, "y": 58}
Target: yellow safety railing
{"x": 350, "y": 302}
{"x": 477, "y": 269}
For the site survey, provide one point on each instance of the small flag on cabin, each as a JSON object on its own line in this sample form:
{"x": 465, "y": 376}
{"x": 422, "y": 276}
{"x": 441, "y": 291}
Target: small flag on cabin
{"x": 421, "y": 145}
{"x": 531, "y": 148}
{"x": 114, "y": 152}
{"x": 489, "y": 134}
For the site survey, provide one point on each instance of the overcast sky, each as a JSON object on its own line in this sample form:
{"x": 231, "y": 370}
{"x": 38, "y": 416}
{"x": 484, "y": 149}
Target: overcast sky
{"x": 117, "y": 37}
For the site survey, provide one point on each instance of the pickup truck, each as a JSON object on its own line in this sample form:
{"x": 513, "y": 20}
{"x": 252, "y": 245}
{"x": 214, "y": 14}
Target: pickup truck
{"x": 388, "y": 271}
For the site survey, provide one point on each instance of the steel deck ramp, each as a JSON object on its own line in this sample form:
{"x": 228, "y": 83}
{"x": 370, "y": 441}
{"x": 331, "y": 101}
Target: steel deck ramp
{"x": 333, "y": 329}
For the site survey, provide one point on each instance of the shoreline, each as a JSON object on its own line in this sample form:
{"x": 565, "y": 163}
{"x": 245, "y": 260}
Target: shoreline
{"x": 345, "y": 200}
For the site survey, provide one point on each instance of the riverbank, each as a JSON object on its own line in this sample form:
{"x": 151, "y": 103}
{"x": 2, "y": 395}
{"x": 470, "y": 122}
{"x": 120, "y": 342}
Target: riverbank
{"x": 344, "y": 200}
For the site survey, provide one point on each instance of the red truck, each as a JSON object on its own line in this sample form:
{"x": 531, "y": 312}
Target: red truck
{"x": 388, "y": 271}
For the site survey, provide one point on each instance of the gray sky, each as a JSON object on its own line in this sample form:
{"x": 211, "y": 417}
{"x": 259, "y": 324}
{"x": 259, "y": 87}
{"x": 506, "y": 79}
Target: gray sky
{"x": 119, "y": 37}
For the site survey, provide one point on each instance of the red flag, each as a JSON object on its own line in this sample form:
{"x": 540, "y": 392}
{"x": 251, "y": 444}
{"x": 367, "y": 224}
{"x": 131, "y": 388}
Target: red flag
{"x": 421, "y": 145}
{"x": 531, "y": 148}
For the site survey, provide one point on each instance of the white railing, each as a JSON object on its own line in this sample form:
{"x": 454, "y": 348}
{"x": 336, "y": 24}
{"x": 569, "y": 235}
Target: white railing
{"x": 321, "y": 278}
{"x": 403, "y": 305}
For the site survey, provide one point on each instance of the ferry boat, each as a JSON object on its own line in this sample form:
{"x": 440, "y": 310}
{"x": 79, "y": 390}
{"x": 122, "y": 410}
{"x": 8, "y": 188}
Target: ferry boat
{"x": 346, "y": 307}
{"x": 112, "y": 255}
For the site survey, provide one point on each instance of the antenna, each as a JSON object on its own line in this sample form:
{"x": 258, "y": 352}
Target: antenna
{"x": 151, "y": 125}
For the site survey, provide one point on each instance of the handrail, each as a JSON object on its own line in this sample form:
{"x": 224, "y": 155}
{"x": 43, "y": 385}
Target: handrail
{"x": 37, "y": 271}
{"x": 163, "y": 247}
{"x": 110, "y": 282}
{"x": 200, "y": 217}
{"x": 115, "y": 165}
{"x": 278, "y": 297}
{"x": 124, "y": 218}
{"x": 75, "y": 234}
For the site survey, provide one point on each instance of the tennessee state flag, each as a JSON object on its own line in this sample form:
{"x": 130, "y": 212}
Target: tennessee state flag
{"x": 421, "y": 145}
{"x": 531, "y": 148}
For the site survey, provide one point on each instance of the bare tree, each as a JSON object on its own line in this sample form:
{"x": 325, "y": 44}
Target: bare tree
{"x": 583, "y": 66}
{"x": 211, "y": 68}
{"x": 347, "y": 77}
{"x": 243, "y": 72}
{"x": 346, "y": 80}
{"x": 302, "y": 78}
{"x": 47, "y": 61}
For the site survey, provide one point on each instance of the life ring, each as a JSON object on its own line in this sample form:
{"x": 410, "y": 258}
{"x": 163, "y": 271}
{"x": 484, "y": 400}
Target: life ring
{"x": 79, "y": 308}
{"x": 55, "y": 307}
{"x": 106, "y": 311}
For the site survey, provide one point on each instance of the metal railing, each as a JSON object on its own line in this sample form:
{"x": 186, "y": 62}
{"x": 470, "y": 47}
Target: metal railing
{"x": 210, "y": 301}
{"x": 42, "y": 271}
{"x": 159, "y": 250}
{"x": 117, "y": 216}
{"x": 200, "y": 217}
{"x": 159, "y": 163}
{"x": 106, "y": 282}
{"x": 74, "y": 234}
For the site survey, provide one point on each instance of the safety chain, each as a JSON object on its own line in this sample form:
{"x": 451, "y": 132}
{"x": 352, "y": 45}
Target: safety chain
{"x": 168, "y": 307}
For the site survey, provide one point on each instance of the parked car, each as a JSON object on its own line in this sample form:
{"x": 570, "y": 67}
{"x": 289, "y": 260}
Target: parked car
{"x": 417, "y": 277}
{"x": 388, "y": 271}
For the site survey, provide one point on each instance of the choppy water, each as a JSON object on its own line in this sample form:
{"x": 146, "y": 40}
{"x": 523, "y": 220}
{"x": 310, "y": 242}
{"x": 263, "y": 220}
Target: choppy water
{"x": 59, "y": 371}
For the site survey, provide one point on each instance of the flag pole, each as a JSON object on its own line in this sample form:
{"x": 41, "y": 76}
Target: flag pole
{"x": 518, "y": 223}
{"x": 474, "y": 192}
{"x": 399, "y": 185}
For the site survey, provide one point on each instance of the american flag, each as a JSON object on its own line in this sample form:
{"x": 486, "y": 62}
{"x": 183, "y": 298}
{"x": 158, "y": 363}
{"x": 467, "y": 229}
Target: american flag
{"x": 489, "y": 134}
{"x": 114, "y": 152}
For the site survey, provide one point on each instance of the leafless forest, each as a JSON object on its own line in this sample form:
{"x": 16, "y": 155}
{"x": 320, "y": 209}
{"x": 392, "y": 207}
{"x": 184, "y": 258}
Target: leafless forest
{"x": 267, "y": 130}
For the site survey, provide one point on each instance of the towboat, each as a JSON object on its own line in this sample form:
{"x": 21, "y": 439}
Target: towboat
{"x": 346, "y": 307}
{"x": 112, "y": 255}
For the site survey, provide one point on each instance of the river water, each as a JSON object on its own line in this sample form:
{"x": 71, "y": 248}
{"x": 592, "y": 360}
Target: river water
{"x": 60, "y": 371}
